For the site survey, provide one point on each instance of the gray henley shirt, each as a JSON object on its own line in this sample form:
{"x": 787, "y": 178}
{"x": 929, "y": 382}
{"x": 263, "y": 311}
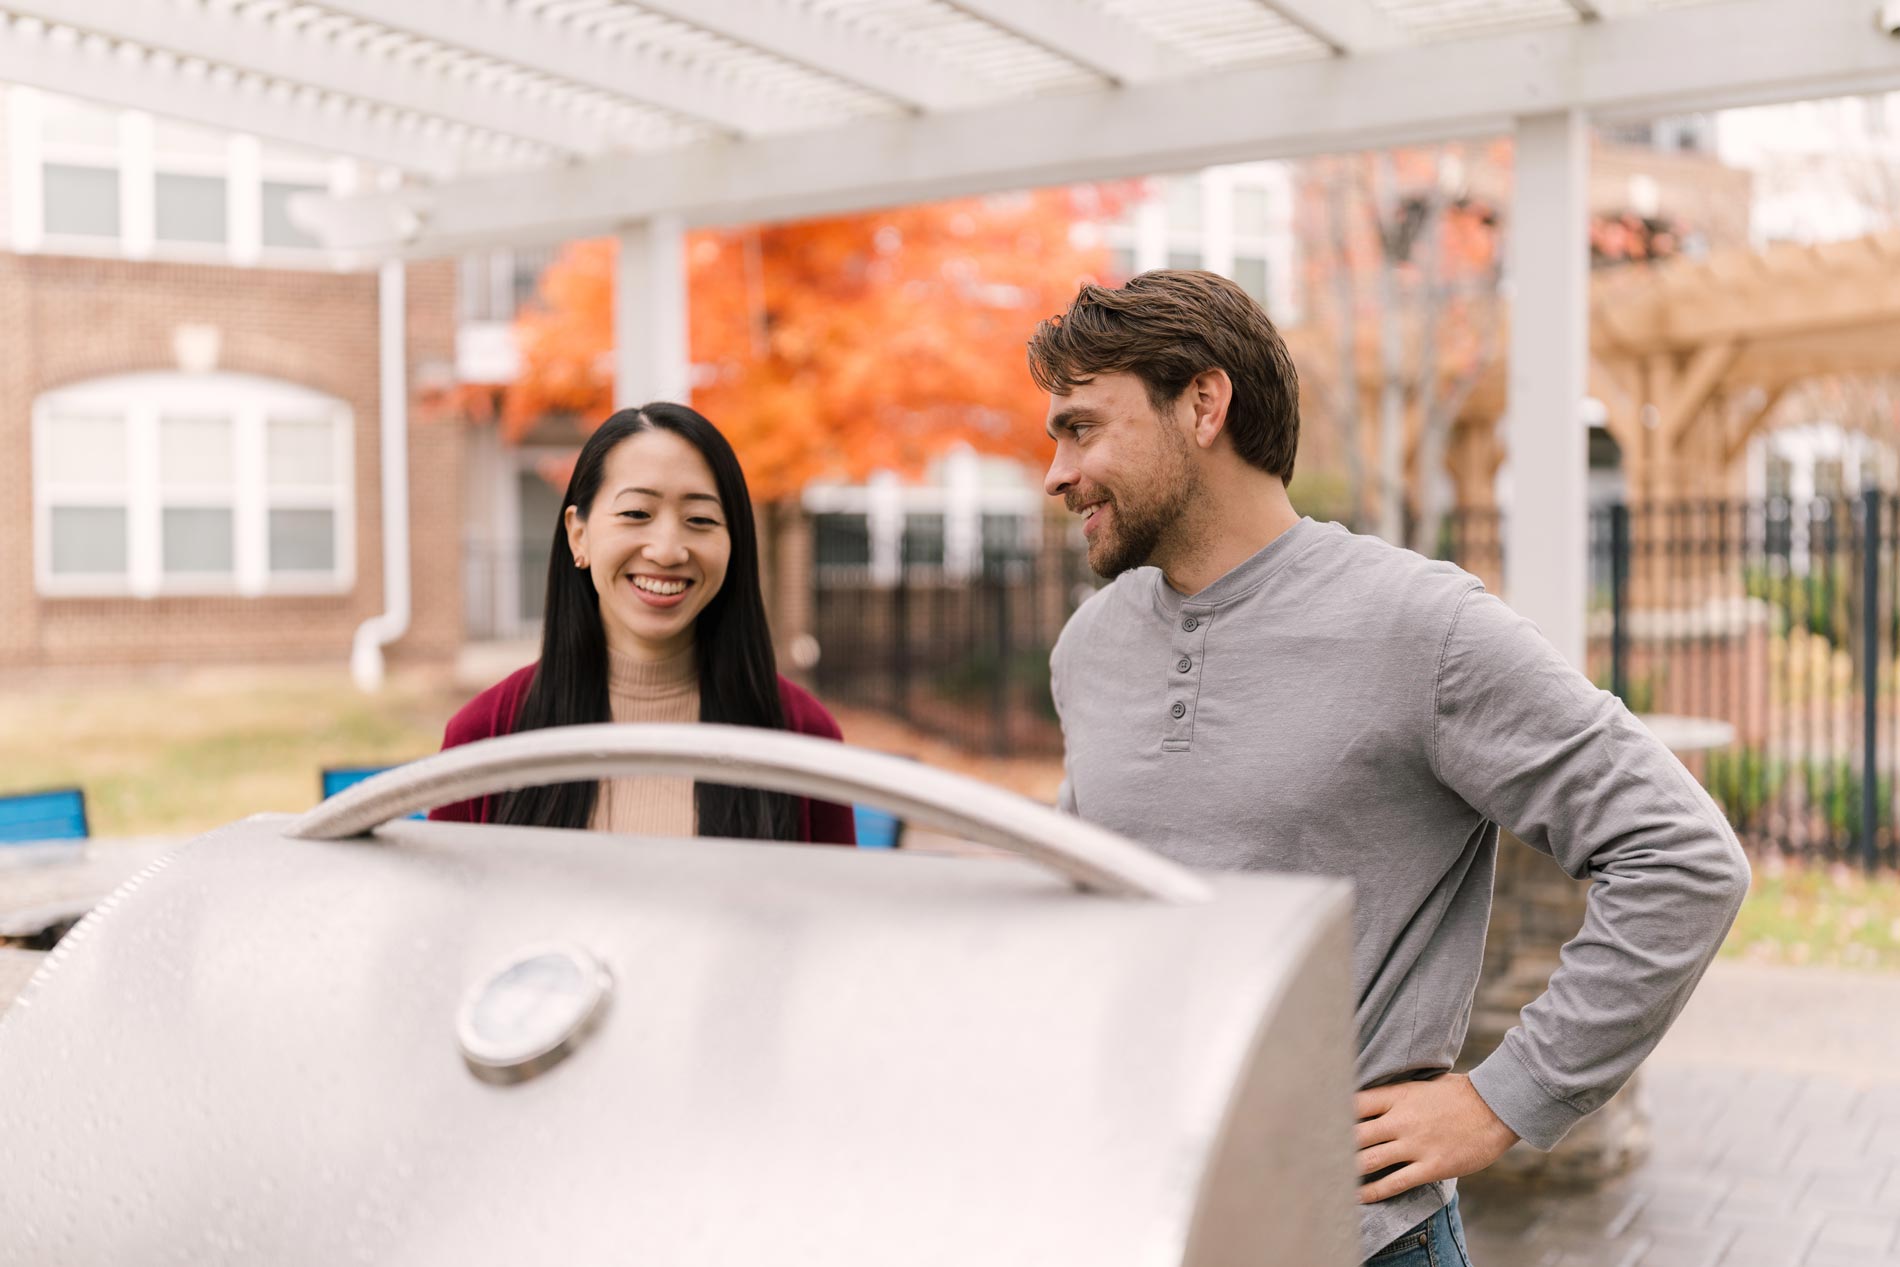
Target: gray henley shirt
{"x": 1335, "y": 705}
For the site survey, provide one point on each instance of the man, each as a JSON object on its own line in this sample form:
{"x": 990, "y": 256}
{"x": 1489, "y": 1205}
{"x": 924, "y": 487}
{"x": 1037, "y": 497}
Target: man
{"x": 1258, "y": 691}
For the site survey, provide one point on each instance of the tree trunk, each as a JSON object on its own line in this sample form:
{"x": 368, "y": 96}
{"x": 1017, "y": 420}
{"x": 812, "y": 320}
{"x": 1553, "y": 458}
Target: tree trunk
{"x": 1391, "y": 511}
{"x": 1346, "y": 394}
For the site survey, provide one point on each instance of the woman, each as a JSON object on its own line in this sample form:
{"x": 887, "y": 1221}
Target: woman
{"x": 653, "y": 615}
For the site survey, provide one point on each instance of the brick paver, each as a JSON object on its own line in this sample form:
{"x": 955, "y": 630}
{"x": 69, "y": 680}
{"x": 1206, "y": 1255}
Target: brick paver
{"x": 1775, "y": 1114}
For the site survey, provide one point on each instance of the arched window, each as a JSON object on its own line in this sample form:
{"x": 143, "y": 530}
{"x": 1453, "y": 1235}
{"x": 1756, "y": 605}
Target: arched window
{"x": 150, "y": 484}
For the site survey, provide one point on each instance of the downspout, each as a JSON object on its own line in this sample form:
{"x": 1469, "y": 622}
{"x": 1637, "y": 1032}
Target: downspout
{"x": 366, "y": 653}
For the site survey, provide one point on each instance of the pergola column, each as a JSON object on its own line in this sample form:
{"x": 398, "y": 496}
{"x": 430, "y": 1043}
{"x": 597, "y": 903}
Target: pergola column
{"x": 1535, "y": 907}
{"x": 1546, "y": 548}
{"x": 650, "y": 354}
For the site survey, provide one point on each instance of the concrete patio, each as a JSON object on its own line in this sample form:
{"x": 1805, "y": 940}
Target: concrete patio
{"x": 1775, "y": 1115}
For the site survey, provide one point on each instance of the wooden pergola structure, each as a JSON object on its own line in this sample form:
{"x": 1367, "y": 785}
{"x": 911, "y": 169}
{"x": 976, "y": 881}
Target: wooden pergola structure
{"x": 1691, "y": 358}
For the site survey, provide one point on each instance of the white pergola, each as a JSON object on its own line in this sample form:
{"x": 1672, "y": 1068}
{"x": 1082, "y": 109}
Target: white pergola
{"x": 513, "y": 121}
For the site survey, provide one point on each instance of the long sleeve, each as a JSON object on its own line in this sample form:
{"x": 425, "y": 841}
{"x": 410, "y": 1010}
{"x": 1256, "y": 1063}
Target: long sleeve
{"x": 1535, "y": 747}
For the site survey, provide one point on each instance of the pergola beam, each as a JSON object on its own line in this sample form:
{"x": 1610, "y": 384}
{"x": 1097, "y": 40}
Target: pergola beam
{"x": 520, "y": 38}
{"x": 832, "y": 48}
{"x": 1091, "y": 37}
{"x": 237, "y": 41}
{"x": 1348, "y": 27}
{"x": 1462, "y": 88}
{"x": 94, "y": 68}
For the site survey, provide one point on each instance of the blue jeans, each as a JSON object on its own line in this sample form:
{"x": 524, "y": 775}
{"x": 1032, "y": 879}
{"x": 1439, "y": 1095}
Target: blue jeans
{"x": 1437, "y": 1242}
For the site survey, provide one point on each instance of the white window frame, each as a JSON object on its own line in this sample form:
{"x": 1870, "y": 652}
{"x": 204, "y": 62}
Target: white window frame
{"x": 244, "y": 165}
{"x": 250, "y": 401}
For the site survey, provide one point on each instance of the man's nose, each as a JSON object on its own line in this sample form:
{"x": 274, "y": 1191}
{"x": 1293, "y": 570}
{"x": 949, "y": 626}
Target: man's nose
{"x": 1062, "y": 475}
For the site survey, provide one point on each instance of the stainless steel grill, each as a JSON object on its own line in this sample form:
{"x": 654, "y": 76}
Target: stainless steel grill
{"x": 350, "y": 1038}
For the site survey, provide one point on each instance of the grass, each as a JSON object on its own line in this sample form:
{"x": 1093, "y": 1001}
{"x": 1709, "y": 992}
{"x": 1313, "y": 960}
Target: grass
{"x": 1828, "y": 916}
{"x": 182, "y": 755}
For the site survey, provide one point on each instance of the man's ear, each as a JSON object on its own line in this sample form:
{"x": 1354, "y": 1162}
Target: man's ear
{"x": 1209, "y": 395}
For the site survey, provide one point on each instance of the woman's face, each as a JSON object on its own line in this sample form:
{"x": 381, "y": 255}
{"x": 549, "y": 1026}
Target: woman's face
{"x": 655, "y": 542}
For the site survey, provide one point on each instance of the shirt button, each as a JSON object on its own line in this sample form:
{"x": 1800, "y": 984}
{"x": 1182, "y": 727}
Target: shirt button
{"x": 1184, "y": 664}
{"x": 1179, "y": 710}
{"x": 1190, "y": 624}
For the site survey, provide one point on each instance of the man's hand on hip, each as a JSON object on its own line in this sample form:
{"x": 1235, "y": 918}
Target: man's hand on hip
{"x": 1439, "y": 1129}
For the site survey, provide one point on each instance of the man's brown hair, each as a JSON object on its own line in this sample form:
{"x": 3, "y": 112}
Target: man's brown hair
{"x": 1165, "y": 327}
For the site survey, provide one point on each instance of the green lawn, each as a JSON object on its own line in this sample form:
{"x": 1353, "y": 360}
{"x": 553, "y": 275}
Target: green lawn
{"x": 185, "y": 755}
{"x": 1836, "y": 917}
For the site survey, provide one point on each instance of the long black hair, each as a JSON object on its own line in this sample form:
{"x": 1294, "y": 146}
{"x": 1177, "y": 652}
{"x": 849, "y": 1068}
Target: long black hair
{"x": 732, "y": 643}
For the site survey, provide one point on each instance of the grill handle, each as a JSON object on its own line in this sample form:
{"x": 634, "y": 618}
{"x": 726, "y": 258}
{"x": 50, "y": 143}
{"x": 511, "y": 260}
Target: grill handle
{"x": 1092, "y": 858}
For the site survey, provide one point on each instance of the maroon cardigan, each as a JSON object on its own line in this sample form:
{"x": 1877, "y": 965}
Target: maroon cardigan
{"x": 493, "y": 713}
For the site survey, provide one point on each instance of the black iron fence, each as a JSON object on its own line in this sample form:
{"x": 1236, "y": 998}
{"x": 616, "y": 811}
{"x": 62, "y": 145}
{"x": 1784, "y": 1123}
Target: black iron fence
{"x": 962, "y": 657}
{"x": 1777, "y": 618}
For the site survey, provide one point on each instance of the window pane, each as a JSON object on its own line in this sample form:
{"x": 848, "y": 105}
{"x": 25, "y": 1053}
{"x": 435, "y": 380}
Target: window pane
{"x": 197, "y": 539}
{"x": 1250, "y": 212}
{"x": 81, "y": 200}
{"x": 88, "y": 540}
{"x": 302, "y": 540}
{"x": 1004, "y": 537}
{"x": 190, "y": 208}
{"x": 1780, "y": 475}
{"x": 278, "y": 229}
{"x": 1829, "y": 477}
{"x": 194, "y": 452}
{"x": 81, "y": 450}
{"x": 1184, "y": 259}
{"x": 1251, "y": 274}
{"x": 923, "y": 539}
{"x": 529, "y": 264}
{"x": 300, "y": 452}
{"x": 1184, "y": 203}
{"x": 841, "y": 541}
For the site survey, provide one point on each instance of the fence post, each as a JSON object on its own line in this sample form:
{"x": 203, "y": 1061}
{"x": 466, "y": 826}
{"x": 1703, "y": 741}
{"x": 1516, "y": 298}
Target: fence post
{"x": 1870, "y": 675}
{"x": 900, "y": 646}
{"x": 999, "y": 680}
{"x": 1619, "y": 600}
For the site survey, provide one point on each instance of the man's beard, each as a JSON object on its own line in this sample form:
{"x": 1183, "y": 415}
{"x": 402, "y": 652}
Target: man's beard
{"x": 1136, "y": 530}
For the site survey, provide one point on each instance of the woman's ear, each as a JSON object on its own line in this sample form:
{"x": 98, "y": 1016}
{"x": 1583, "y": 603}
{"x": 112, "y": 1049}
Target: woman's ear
{"x": 576, "y": 535}
{"x": 1210, "y": 393}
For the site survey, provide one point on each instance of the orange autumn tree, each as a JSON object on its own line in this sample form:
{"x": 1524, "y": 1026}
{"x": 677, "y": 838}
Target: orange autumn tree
{"x": 833, "y": 348}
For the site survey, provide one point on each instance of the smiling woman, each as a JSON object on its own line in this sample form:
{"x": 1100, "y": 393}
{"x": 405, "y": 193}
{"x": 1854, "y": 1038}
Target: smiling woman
{"x": 654, "y": 614}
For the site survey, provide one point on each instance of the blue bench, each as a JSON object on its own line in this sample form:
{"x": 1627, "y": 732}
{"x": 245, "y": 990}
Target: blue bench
{"x": 336, "y": 778}
{"x": 876, "y": 829}
{"x": 56, "y": 814}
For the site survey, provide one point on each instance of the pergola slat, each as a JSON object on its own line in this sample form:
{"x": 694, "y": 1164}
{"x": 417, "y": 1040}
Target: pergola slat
{"x": 35, "y": 56}
{"x": 319, "y": 59}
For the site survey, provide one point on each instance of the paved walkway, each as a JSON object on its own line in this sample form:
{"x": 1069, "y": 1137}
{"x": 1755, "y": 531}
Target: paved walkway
{"x": 1775, "y": 1116}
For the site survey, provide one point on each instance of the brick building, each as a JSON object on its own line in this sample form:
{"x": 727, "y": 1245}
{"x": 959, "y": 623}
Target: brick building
{"x": 189, "y": 418}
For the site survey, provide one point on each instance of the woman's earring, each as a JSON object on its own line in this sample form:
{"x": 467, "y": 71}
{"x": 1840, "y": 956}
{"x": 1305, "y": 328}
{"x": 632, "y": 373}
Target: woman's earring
{"x": 580, "y": 563}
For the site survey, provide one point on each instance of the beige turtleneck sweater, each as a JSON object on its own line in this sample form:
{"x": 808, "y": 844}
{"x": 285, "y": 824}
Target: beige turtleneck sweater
{"x": 649, "y": 691}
